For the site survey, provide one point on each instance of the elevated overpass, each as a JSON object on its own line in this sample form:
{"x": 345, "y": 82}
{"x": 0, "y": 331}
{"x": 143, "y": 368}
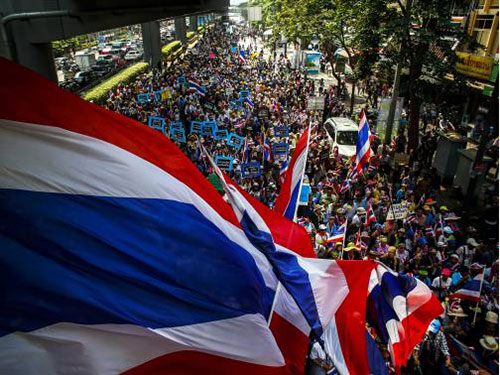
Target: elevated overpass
{"x": 28, "y": 27}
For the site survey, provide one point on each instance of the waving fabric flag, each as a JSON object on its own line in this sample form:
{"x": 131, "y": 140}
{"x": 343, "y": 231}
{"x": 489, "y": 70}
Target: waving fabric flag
{"x": 338, "y": 234}
{"x": 241, "y": 57}
{"x": 283, "y": 169}
{"x": 471, "y": 290}
{"x": 363, "y": 149}
{"x": 370, "y": 216}
{"x": 249, "y": 103}
{"x": 197, "y": 88}
{"x": 126, "y": 259}
{"x": 400, "y": 308}
{"x": 286, "y": 203}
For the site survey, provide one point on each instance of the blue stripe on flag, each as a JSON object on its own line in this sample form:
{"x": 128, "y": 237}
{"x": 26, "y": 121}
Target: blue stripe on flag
{"x": 91, "y": 260}
{"x": 290, "y": 210}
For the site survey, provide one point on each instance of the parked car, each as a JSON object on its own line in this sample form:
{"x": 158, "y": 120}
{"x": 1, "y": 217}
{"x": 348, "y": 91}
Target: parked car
{"x": 132, "y": 55}
{"x": 83, "y": 78}
{"x": 343, "y": 133}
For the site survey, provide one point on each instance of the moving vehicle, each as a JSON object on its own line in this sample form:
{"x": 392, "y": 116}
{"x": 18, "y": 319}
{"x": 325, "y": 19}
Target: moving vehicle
{"x": 85, "y": 60}
{"x": 342, "y": 133}
{"x": 83, "y": 78}
{"x": 132, "y": 55}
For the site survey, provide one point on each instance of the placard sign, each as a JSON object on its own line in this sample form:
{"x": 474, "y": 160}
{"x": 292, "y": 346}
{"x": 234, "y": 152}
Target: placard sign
{"x": 250, "y": 170}
{"x": 236, "y": 104}
{"x": 178, "y": 135}
{"x": 181, "y": 80}
{"x": 196, "y": 127}
{"x": 280, "y": 148}
{"x": 235, "y": 141}
{"x": 263, "y": 113}
{"x": 208, "y": 128}
{"x": 400, "y": 211}
{"x": 233, "y": 49}
{"x": 176, "y": 125}
{"x": 244, "y": 94}
{"x": 315, "y": 103}
{"x": 305, "y": 190}
{"x": 157, "y": 95}
{"x": 224, "y": 162}
{"x": 143, "y": 98}
{"x": 281, "y": 131}
{"x": 157, "y": 123}
{"x": 209, "y": 106}
{"x": 221, "y": 134}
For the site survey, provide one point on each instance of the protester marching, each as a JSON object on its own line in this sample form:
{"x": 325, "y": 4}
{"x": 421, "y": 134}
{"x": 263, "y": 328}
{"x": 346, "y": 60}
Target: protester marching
{"x": 422, "y": 298}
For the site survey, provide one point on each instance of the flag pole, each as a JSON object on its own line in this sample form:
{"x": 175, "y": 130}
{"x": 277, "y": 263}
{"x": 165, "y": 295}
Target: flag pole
{"x": 273, "y": 306}
{"x": 477, "y": 303}
{"x": 343, "y": 241}
{"x": 302, "y": 174}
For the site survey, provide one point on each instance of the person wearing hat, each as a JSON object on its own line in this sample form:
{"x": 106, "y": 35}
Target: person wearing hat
{"x": 491, "y": 323}
{"x": 320, "y": 240}
{"x": 441, "y": 284}
{"x": 383, "y": 248}
{"x": 453, "y": 262}
{"x": 454, "y": 322}
{"x": 460, "y": 277}
{"x": 403, "y": 257}
{"x": 390, "y": 259}
{"x": 432, "y": 354}
{"x": 360, "y": 217}
{"x": 349, "y": 251}
{"x": 466, "y": 252}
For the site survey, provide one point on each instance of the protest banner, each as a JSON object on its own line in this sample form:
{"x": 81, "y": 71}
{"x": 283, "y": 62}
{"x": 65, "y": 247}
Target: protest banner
{"x": 196, "y": 127}
{"x": 235, "y": 141}
{"x": 208, "y": 128}
{"x": 176, "y": 125}
{"x": 224, "y": 162}
{"x": 178, "y": 135}
{"x": 280, "y": 149}
{"x": 157, "y": 123}
{"x": 399, "y": 210}
{"x": 221, "y": 134}
{"x": 250, "y": 170}
{"x": 281, "y": 131}
{"x": 143, "y": 98}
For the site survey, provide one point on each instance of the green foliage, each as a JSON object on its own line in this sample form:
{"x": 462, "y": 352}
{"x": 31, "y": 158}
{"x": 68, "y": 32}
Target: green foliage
{"x": 170, "y": 48}
{"x": 99, "y": 93}
{"x": 190, "y": 34}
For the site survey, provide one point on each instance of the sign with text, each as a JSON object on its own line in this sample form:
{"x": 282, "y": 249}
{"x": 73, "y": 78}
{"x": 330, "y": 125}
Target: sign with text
{"x": 208, "y": 128}
{"x": 178, "y": 135}
{"x": 281, "y": 131}
{"x": 399, "y": 210}
{"x": 263, "y": 113}
{"x": 221, "y": 134}
{"x": 280, "y": 148}
{"x": 305, "y": 190}
{"x": 143, "y": 98}
{"x": 474, "y": 65}
{"x": 250, "y": 170}
{"x": 157, "y": 123}
{"x": 196, "y": 127}
{"x": 176, "y": 125}
{"x": 235, "y": 141}
{"x": 315, "y": 103}
{"x": 244, "y": 94}
{"x": 157, "y": 95}
{"x": 224, "y": 162}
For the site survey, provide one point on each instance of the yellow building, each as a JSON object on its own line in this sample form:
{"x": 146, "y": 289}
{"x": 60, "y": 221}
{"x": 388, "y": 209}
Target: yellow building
{"x": 483, "y": 25}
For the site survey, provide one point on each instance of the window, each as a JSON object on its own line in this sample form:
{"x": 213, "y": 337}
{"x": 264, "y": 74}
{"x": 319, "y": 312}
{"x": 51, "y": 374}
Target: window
{"x": 347, "y": 137}
{"x": 483, "y": 22}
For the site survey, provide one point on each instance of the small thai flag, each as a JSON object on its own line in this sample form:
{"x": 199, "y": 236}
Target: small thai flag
{"x": 197, "y": 88}
{"x": 267, "y": 151}
{"x": 240, "y": 123}
{"x": 471, "y": 290}
{"x": 283, "y": 169}
{"x": 370, "y": 216}
{"x": 338, "y": 234}
{"x": 249, "y": 103}
{"x": 345, "y": 186}
{"x": 241, "y": 57}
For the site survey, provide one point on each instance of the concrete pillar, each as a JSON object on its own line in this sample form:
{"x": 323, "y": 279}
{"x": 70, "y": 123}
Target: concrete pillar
{"x": 193, "y": 23}
{"x": 36, "y": 56}
{"x": 180, "y": 29}
{"x": 151, "y": 42}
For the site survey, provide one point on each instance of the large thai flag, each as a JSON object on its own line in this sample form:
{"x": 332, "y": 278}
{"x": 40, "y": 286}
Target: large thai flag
{"x": 196, "y": 88}
{"x": 287, "y": 201}
{"x": 363, "y": 143}
{"x": 471, "y": 290}
{"x": 400, "y": 308}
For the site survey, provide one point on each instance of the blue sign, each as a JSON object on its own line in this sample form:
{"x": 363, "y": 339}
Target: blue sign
{"x": 178, "y": 135}
{"x": 181, "y": 80}
{"x": 176, "y": 125}
{"x": 305, "y": 190}
{"x": 224, "y": 162}
{"x": 208, "y": 128}
{"x": 157, "y": 123}
{"x": 143, "y": 98}
{"x": 237, "y": 104}
{"x": 221, "y": 134}
{"x": 157, "y": 95}
{"x": 234, "y": 50}
{"x": 250, "y": 170}
{"x": 280, "y": 149}
{"x": 281, "y": 131}
{"x": 235, "y": 141}
{"x": 244, "y": 94}
{"x": 196, "y": 126}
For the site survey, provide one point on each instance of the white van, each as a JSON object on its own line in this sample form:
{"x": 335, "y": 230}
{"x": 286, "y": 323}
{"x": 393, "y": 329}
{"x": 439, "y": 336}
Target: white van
{"x": 343, "y": 133}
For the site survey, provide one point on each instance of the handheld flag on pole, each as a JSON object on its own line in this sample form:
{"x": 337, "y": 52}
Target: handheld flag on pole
{"x": 287, "y": 202}
{"x": 363, "y": 149}
{"x": 196, "y": 88}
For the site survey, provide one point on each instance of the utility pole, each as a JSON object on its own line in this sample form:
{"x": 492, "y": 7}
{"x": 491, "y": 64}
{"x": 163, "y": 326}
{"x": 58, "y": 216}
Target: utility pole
{"x": 394, "y": 101}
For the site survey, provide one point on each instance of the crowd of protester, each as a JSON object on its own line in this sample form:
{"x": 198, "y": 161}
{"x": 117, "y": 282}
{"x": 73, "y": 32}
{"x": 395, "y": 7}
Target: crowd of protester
{"x": 443, "y": 247}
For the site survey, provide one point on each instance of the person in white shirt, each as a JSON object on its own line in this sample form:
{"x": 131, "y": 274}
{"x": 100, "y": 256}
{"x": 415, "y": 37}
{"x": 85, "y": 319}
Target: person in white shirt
{"x": 442, "y": 283}
{"x": 466, "y": 252}
{"x": 320, "y": 240}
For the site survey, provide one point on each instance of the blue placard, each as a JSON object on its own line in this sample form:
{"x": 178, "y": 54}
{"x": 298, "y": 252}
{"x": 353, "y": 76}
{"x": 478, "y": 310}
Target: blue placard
{"x": 304, "y": 194}
{"x": 281, "y": 131}
{"x": 143, "y": 98}
{"x": 221, "y": 134}
{"x": 181, "y": 80}
{"x": 235, "y": 141}
{"x": 157, "y": 95}
{"x": 157, "y": 123}
{"x": 244, "y": 94}
{"x": 208, "y": 128}
{"x": 234, "y": 49}
{"x": 178, "y": 135}
{"x": 196, "y": 127}
{"x": 224, "y": 162}
{"x": 280, "y": 149}
{"x": 236, "y": 104}
{"x": 249, "y": 170}
{"x": 176, "y": 125}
